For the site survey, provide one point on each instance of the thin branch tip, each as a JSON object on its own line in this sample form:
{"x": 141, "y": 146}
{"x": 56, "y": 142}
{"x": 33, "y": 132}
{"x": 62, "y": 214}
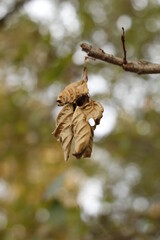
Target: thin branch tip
{"x": 124, "y": 47}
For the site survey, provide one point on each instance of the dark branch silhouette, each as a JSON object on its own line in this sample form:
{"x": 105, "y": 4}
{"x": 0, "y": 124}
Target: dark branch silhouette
{"x": 18, "y": 4}
{"x": 124, "y": 47}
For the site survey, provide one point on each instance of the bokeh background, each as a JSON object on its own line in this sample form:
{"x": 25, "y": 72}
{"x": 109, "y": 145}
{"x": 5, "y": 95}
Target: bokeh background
{"x": 115, "y": 194}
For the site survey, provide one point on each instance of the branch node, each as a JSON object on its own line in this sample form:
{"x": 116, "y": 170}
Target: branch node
{"x": 101, "y": 50}
{"x": 124, "y": 47}
{"x": 91, "y": 58}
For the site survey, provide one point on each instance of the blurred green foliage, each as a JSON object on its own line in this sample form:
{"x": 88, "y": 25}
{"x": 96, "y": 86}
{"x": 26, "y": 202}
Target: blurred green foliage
{"x": 115, "y": 194}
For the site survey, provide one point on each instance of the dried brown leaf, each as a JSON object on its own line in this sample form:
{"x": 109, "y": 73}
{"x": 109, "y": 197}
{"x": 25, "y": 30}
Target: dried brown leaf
{"x": 63, "y": 131}
{"x": 93, "y": 110}
{"x": 72, "y": 92}
{"x": 82, "y": 132}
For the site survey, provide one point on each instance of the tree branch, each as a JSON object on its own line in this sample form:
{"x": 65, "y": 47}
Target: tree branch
{"x": 139, "y": 67}
{"x": 13, "y": 10}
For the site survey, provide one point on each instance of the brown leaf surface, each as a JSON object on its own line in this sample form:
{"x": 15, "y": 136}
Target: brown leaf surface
{"x": 72, "y": 92}
{"x": 93, "y": 110}
{"x": 82, "y": 132}
{"x": 63, "y": 131}
{"x": 88, "y": 151}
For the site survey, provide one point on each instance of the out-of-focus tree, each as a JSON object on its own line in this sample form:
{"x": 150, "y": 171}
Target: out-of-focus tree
{"x": 116, "y": 193}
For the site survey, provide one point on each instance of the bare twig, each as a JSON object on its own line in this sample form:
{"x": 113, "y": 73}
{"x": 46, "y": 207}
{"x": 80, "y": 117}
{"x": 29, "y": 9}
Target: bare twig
{"x": 18, "y": 4}
{"x": 140, "y": 67}
{"x": 124, "y": 47}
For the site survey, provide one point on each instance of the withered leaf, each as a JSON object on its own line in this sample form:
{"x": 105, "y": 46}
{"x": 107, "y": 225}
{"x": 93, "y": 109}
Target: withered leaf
{"x": 82, "y": 132}
{"x": 93, "y": 110}
{"x": 72, "y": 92}
{"x": 63, "y": 131}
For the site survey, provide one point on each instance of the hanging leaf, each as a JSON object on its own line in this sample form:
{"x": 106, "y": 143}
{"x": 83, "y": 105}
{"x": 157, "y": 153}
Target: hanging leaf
{"x": 78, "y": 118}
{"x": 63, "y": 131}
{"x": 72, "y": 92}
{"x": 93, "y": 110}
{"x": 82, "y": 132}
